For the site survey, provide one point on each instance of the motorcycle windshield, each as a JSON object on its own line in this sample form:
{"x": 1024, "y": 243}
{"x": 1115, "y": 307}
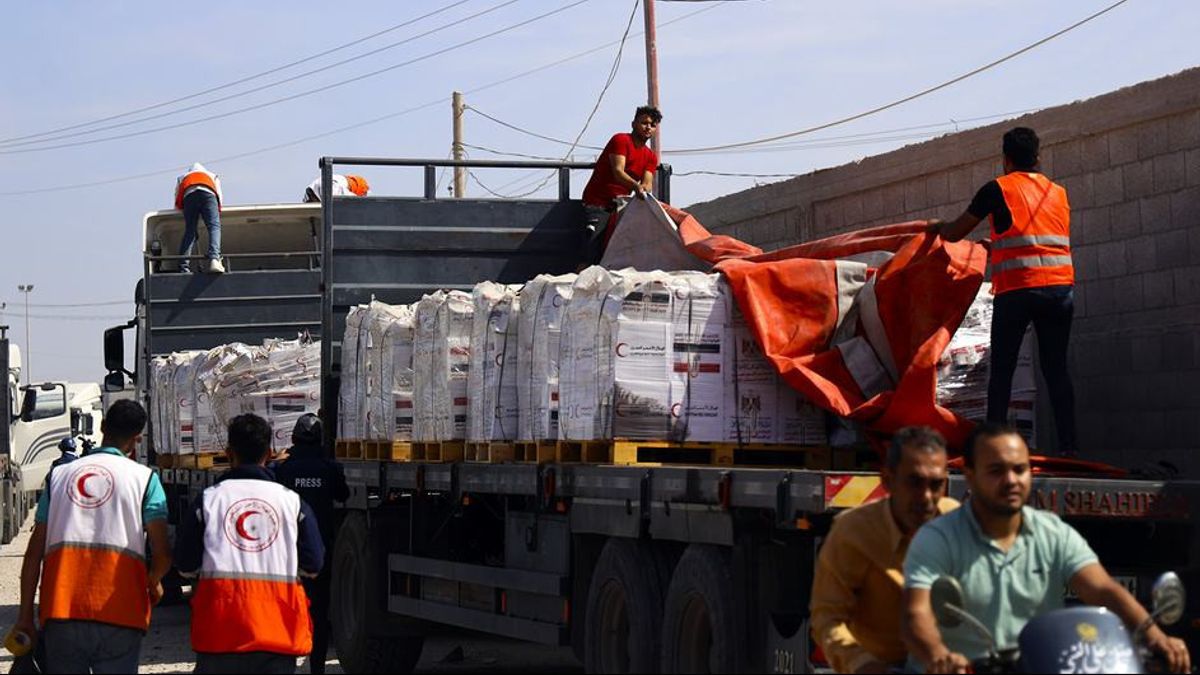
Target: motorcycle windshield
{"x": 1078, "y": 640}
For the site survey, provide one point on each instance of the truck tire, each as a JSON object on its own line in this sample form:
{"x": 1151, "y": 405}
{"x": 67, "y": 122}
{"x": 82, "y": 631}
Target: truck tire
{"x": 623, "y": 620}
{"x": 355, "y": 583}
{"x": 700, "y": 626}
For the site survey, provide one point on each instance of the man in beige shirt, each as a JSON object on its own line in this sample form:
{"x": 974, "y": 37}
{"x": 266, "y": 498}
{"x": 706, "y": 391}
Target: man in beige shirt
{"x": 859, "y": 581}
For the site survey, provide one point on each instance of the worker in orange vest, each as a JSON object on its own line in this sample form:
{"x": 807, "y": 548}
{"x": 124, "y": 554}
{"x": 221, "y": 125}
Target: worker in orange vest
{"x": 198, "y": 194}
{"x": 343, "y": 186}
{"x": 89, "y": 548}
{"x": 249, "y": 539}
{"x": 1032, "y": 276}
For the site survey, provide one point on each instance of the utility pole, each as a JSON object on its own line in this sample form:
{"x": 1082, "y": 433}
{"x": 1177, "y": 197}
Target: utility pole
{"x": 28, "y": 365}
{"x": 460, "y": 173}
{"x": 652, "y": 68}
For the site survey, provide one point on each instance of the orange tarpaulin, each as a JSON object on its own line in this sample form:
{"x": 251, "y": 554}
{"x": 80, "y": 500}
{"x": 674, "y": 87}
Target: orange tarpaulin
{"x": 795, "y": 301}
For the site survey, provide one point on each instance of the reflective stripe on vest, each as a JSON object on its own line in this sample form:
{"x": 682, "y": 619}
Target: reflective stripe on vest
{"x": 195, "y": 179}
{"x": 248, "y": 597}
{"x": 95, "y": 567}
{"x": 1035, "y": 251}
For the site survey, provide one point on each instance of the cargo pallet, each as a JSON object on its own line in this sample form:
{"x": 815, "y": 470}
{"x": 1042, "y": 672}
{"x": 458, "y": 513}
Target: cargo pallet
{"x": 657, "y": 453}
{"x": 536, "y": 452}
{"x": 399, "y": 451}
{"x": 490, "y": 452}
{"x": 205, "y": 460}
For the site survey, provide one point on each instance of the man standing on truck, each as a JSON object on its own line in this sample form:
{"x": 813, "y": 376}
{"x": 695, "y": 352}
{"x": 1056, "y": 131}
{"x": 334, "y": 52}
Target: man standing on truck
{"x": 198, "y": 194}
{"x": 858, "y": 585}
{"x": 1032, "y": 276}
{"x": 343, "y": 186}
{"x": 1012, "y": 560}
{"x": 249, "y": 539}
{"x": 89, "y": 546}
{"x": 320, "y": 481}
{"x": 626, "y": 165}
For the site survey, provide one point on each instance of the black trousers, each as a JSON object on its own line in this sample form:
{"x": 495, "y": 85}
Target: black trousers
{"x": 1050, "y": 310}
{"x": 318, "y": 591}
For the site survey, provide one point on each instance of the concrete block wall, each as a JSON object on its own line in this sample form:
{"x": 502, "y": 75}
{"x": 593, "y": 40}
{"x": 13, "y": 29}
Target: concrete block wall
{"x": 1130, "y": 161}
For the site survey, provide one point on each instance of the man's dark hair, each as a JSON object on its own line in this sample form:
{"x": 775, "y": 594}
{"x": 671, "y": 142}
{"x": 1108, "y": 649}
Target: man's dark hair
{"x": 124, "y": 420}
{"x": 1021, "y": 147}
{"x": 985, "y": 430}
{"x": 650, "y": 110}
{"x": 249, "y": 438}
{"x": 922, "y": 438}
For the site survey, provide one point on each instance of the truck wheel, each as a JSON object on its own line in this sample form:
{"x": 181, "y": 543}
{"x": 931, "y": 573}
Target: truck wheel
{"x": 623, "y": 621}
{"x": 355, "y": 584}
{"x": 700, "y": 629}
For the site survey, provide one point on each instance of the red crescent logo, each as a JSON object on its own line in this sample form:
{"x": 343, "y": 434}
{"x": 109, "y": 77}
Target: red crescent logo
{"x": 240, "y": 525}
{"x": 96, "y": 494}
{"x": 258, "y": 535}
{"x": 81, "y": 485}
{"x": 622, "y": 349}
{"x": 675, "y": 409}
{"x": 556, "y": 301}
{"x": 500, "y": 359}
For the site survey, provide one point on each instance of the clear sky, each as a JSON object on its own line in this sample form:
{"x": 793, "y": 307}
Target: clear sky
{"x": 735, "y": 71}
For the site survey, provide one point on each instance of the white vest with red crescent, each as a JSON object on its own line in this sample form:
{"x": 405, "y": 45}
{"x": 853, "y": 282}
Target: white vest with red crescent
{"x": 95, "y": 564}
{"x": 249, "y": 598}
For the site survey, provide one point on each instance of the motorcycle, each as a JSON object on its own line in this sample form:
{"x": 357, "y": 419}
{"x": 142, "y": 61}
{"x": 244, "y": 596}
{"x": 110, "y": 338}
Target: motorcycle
{"x": 1070, "y": 640}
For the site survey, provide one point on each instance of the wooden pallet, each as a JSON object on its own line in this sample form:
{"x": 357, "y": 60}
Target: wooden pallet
{"x": 207, "y": 460}
{"x": 438, "y": 451}
{"x": 536, "y": 452}
{"x": 720, "y": 454}
{"x": 492, "y": 452}
{"x": 388, "y": 451}
{"x": 350, "y": 448}
{"x": 590, "y": 452}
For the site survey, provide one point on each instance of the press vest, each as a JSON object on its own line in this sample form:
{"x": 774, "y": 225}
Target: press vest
{"x": 1036, "y": 250}
{"x": 95, "y": 564}
{"x": 196, "y": 179}
{"x": 249, "y": 597}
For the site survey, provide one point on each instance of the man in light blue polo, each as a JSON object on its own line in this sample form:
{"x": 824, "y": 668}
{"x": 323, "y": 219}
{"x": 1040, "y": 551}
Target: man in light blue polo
{"x": 1013, "y": 562}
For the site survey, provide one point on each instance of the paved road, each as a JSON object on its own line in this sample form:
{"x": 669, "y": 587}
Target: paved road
{"x": 166, "y": 648}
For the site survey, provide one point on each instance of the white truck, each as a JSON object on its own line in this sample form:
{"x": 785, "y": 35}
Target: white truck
{"x": 39, "y": 416}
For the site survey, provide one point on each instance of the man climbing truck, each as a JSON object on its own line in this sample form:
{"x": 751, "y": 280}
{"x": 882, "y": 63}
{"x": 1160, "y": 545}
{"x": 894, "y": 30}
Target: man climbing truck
{"x": 663, "y": 565}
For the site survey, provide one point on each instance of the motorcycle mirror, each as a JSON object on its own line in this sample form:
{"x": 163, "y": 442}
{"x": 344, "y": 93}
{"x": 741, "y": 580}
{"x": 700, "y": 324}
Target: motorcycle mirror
{"x": 945, "y": 593}
{"x": 1168, "y": 599}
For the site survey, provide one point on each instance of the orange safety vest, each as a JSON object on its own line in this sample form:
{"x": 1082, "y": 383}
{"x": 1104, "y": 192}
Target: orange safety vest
{"x": 1036, "y": 250}
{"x": 95, "y": 566}
{"x": 193, "y": 179}
{"x": 249, "y": 597}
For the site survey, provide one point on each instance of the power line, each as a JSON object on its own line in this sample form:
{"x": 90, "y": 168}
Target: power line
{"x": 302, "y": 94}
{"x": 742, "y": 175}
{"x": 612, "y": 75}
{"x": 527, "y": 132}
{"x": 243, "y": 80}
{"x": 350, "y": 127}
{"x": 254, "y": 90}
{"x": 906, "y": 99}
{"x": 105, "y": 303}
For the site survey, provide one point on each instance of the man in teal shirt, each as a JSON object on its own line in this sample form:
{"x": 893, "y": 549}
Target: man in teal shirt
{"x": 88, "y": 549}
{"x": 1013, "y": 562}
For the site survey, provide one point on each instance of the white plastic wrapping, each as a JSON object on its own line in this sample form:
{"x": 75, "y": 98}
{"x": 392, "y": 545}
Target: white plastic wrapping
{"x": 352, "y": 390}
{"x": 394, "y": 402}
{"x": 963, "y": 370}
{"x": 493, "y": 413}
{"x": 441, "y": 365}
{"x": 539, "y": 332}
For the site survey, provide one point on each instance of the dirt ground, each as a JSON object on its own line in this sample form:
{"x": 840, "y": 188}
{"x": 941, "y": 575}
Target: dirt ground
{"x": 167, "y": 648}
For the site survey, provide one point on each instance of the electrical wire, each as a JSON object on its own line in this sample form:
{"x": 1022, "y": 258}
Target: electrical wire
{"x": 527, "y": 132}
{"x": 740, "y": 175}
{"x": 906, "y": 99}
{"x": 302, "y": 94}
{"x": 243, "y": 80}
{"x": 612, "y": 76}
{"x": 350, "y": 127}
{"x": 105, "y": 303}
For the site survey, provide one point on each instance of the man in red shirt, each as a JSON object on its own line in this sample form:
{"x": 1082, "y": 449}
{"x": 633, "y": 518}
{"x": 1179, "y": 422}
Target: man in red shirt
{"x": 626, "y": 165}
